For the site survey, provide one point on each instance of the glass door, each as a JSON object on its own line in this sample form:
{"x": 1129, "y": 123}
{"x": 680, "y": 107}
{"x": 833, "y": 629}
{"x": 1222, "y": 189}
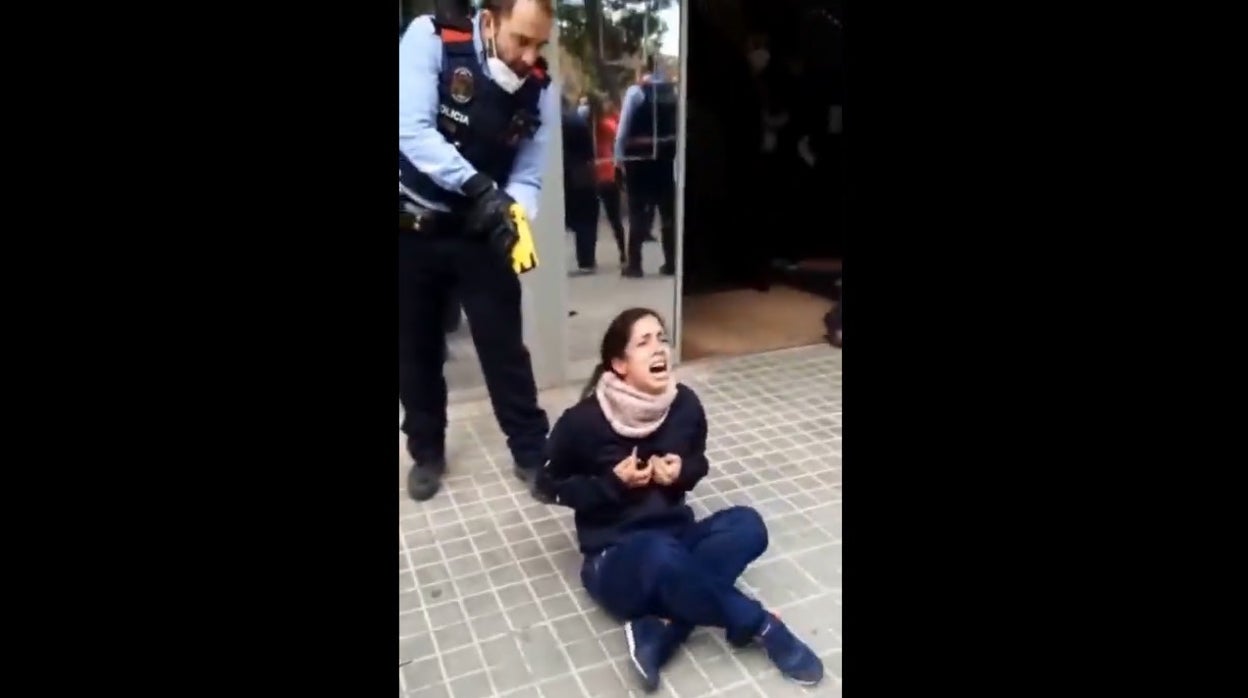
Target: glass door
{"x": 620, "y": 65}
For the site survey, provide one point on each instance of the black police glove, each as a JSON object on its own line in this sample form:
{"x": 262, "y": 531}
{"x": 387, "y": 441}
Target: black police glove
{"x": 489, "y": 215}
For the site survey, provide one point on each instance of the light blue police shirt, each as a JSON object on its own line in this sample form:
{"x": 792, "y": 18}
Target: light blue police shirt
{"x": 420, "y": 63}
{"x": 631, "y": 102}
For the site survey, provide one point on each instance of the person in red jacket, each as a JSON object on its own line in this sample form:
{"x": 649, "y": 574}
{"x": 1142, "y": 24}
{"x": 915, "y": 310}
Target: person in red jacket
{"x": 606, "y": 118}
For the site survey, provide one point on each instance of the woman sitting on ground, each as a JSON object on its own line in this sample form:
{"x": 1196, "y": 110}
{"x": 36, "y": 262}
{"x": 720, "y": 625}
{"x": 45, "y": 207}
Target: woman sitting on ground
{"x": 623, "y": 459}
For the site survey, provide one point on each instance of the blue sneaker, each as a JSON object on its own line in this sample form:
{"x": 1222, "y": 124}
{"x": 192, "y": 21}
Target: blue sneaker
{"x": 651, "y": 642}
{"x": 790, "y": 655}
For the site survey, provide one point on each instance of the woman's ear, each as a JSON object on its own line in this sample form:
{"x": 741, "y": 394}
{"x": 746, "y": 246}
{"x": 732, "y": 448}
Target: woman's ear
{"x": 619, "y": 367}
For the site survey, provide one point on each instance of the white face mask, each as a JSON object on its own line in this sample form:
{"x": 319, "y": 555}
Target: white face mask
{"x": 500, "y": 72}
{"x": 759, "y": 58}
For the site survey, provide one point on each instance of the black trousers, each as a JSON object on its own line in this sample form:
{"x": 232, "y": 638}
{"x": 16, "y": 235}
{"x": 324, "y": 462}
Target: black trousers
{"x": 609, "y": 194}
{"x": 581, "y": 217}
{"x": 651, "y": 185}
{"x": 431, "y": 269}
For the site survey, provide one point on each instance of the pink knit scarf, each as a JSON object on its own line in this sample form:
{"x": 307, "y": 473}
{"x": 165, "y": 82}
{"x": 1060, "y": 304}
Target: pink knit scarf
{"x": 632, "y": 413}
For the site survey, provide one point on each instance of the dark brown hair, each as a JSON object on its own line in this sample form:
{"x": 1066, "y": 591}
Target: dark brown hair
{"x": 502, "y": 8}
{"x": 615, "y": 342}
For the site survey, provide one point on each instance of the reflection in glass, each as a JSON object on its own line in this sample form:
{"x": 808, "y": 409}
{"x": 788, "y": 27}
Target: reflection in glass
{"x": 619, "y": 64}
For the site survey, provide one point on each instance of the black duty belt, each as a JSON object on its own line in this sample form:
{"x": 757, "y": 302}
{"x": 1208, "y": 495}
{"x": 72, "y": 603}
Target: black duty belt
{"x": 430, "y": 222}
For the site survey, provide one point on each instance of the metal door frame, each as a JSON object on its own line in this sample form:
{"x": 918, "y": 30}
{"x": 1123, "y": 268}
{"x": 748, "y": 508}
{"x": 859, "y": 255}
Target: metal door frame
{"x": 682, "y": 145}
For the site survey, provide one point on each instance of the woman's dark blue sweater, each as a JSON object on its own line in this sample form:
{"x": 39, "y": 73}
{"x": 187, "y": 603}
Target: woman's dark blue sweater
{"x": 584, "y": 450}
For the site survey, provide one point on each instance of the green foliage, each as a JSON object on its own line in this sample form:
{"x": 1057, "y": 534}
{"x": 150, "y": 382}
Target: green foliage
{"x": 603, "y": 35}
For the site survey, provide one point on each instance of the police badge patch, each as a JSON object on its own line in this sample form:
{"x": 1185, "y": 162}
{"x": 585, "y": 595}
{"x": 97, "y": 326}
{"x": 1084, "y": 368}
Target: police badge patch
{"x": 461, "y": 86}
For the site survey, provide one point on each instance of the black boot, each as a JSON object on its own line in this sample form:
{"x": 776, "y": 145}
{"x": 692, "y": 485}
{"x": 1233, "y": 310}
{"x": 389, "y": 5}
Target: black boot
{"x": 531, "y": 477}
{"x": 425, "y": 478}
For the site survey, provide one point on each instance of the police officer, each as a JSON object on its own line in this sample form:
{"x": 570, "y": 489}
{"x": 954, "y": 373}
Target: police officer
{"x": 475, "y": 116}
{"x": 645, "y": 145}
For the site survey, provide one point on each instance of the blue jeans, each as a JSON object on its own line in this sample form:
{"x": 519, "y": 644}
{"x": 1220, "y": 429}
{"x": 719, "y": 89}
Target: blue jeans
{"x": 688, "y": 578}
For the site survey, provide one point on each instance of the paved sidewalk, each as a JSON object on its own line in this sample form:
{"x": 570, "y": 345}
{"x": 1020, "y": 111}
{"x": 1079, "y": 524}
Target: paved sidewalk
{"x": 489, "y": 591}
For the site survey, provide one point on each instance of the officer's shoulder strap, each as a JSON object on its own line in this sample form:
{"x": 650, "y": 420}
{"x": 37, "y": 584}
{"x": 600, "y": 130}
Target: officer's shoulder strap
{"x": 452, "y": 20}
